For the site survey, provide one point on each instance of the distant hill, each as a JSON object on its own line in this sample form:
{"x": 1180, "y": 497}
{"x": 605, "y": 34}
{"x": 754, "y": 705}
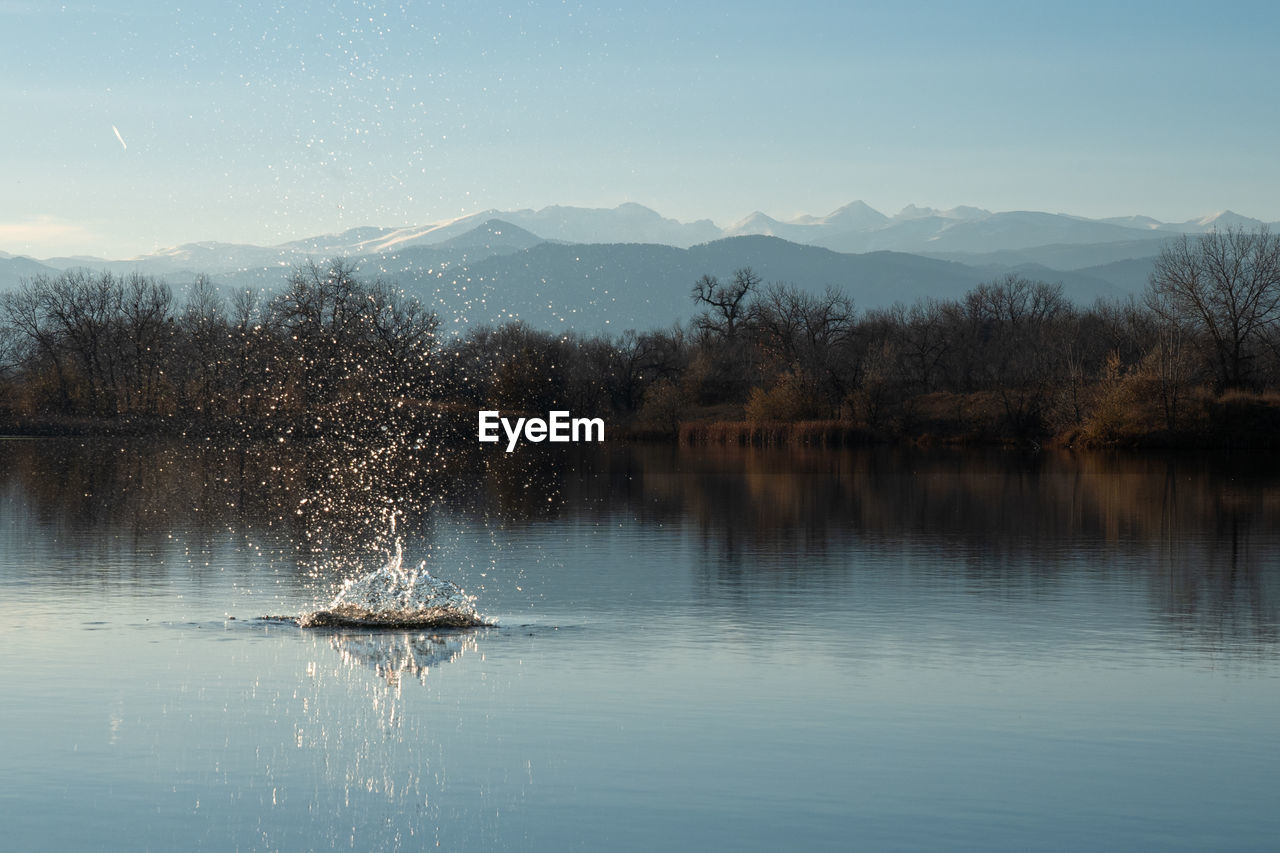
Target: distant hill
{"x": 617, "y": 286}
{"x": 497, "y": 271}
{"x": 1129, "y": 276}
{"x": 628, "y": 266}
{"x": 991, "y": 233}
{"x": 13, "y": 269}
{"x": 626, "y": 223}
{"x": 962, "y": 233}
{"x": 494, "y": 237}
{"x": 1220, "y": 220}
{"x": 595, "y": 287}
{"x": 1062, "y": 256}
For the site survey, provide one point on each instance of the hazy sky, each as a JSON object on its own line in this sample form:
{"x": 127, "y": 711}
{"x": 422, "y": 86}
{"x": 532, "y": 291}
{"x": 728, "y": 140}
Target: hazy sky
{"x": 248, "y": 123}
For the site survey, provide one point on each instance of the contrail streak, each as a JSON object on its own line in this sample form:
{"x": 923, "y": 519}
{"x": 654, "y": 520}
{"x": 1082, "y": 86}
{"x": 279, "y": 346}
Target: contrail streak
{"x": 116, "y": 131}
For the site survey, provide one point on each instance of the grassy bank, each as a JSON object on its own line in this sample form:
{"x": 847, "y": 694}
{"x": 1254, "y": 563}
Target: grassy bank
{"x": 776, "y": 434}
{"x": 1201, "y": 420}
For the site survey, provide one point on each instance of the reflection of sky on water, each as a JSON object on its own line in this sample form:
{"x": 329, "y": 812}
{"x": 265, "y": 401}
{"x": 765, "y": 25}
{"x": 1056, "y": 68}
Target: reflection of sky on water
{"x": 1190, "y": 541}
{"x": 729, "y": 651}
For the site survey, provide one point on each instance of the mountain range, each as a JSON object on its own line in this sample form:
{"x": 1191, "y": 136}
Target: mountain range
{"x": 630, "y": 267}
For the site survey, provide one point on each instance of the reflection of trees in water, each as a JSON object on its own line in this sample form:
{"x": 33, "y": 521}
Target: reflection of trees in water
{"x": 324, "y": 499}
{"x": 1219, "y": 584}
{"x": 106, "y": 507}
{"x": 1200, "y": 530}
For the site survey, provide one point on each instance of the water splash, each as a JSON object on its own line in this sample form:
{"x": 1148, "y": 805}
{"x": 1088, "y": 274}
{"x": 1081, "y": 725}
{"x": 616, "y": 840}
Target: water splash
{"x": 396, "y": 597}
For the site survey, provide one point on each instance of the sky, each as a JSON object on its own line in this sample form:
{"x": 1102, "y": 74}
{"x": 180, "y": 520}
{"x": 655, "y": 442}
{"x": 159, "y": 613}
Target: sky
{"x": 130, "y": 127}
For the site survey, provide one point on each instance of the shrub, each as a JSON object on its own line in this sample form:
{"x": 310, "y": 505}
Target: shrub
{"x": 785, "y": 402}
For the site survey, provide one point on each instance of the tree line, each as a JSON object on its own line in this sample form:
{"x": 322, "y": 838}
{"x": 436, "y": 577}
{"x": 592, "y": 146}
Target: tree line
{"x": 92, "y": 344}
{"x": 1011, "y": 358}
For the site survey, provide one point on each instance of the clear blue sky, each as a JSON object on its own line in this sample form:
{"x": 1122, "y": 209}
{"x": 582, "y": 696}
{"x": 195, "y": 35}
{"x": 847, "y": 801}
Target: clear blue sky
{"x": 245, "y": 125}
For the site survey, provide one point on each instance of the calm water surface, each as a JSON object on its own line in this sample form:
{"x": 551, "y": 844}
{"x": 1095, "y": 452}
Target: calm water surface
{"x": 877, "y": 650}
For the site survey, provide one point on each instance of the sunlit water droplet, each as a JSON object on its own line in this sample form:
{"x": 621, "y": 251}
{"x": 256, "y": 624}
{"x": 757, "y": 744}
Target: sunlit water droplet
{"x": 394, "y": 596}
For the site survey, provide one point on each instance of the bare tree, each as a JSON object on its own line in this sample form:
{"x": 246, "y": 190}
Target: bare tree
{"x": 642, "y": 359}
{"x": 726, "y": 303}
{"x": 403, "y": 337}
{"x": 925, "y": 342}
{"x": 808, "y": 336}
{"x": 1020, "y": 344}
{"x": 321, "y": 319}
{"x": 205, "y": 335}
{"x": 35, "y": 339}
{"x": 1170, "y": 368}
{"x": 252, "y": 380}
{"x": 83, "y": 308}
{"x": 1225, "y": 287}
{"x": 145, "y": 330}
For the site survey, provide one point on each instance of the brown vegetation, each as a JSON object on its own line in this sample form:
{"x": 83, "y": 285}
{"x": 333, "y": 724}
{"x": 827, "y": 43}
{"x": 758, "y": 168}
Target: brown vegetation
{"x": 1197, "y": 363}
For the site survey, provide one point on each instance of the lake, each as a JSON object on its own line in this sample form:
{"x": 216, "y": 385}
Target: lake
{"x": 694, "y": 649}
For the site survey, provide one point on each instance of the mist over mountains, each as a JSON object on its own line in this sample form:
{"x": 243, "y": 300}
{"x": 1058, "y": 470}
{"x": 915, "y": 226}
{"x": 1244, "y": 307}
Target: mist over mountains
{"x": 597, "y": 269}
